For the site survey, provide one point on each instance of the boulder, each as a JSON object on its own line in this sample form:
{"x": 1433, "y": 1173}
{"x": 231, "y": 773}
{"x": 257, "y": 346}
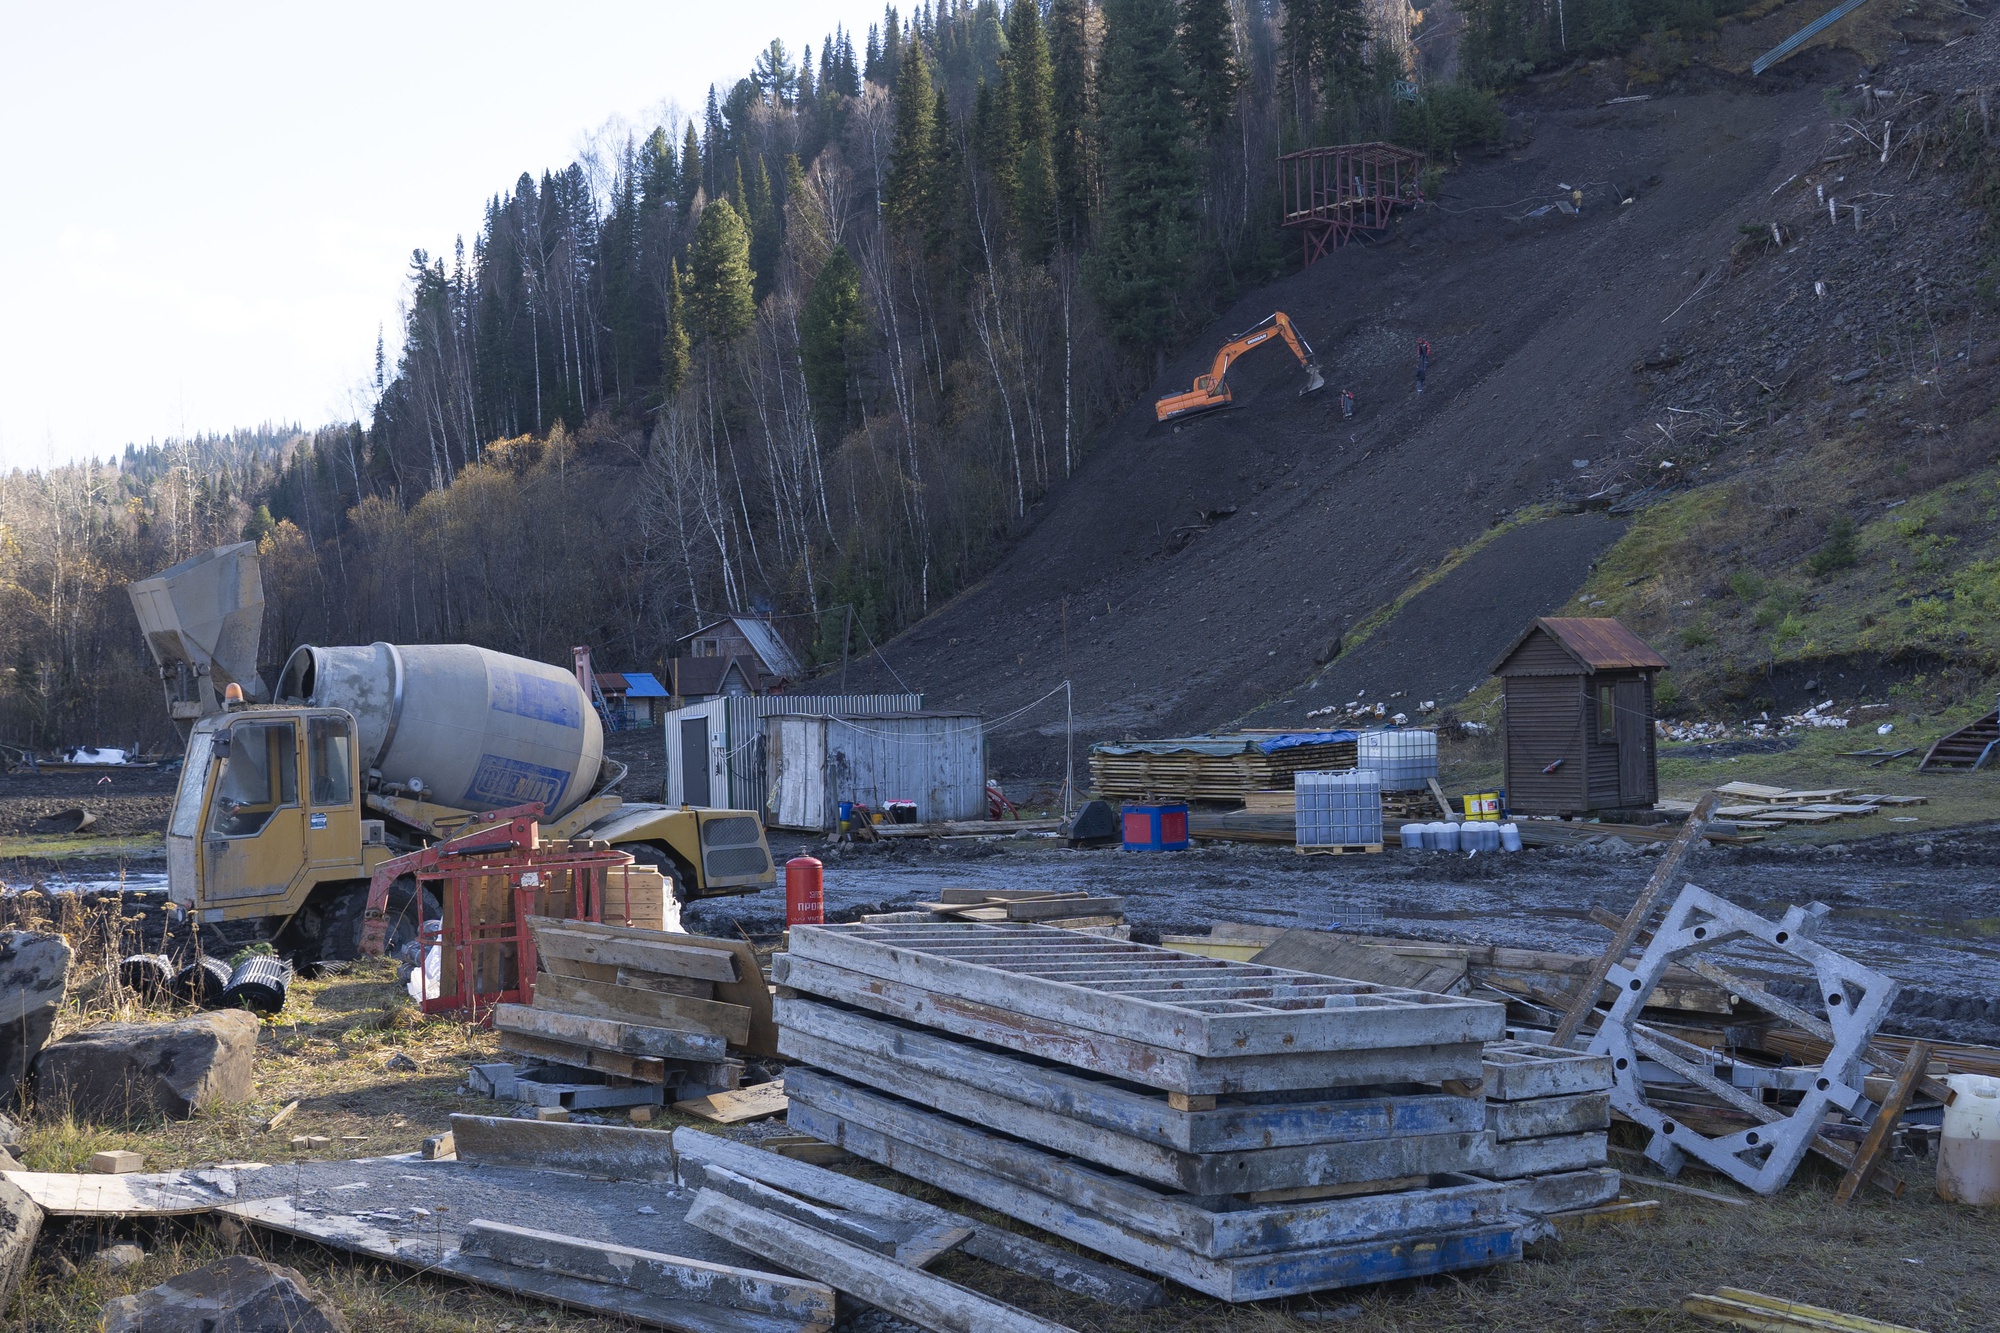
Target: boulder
{"x": 34, "y": 969}
{"x": 145, "y": 1069}
{"x": 234, "y": 1295}
{"x": 20, "y": 1228}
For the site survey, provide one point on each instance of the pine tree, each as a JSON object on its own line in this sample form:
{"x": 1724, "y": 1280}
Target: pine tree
{"x": 914, "y": 148}
{"x": 1073, "y": 109}
{"x": 690, "y": 178}
{"x": 1030, "y": 102}
{"x": 659, "y": 181}
{"x": 1208, "y": 50}
{"x": 674, "y": 351}
{"x": 1147, "y": 235}
{"x": 1323, "y": 61}
{"x": 766, "y": 237}
{"x": 714, "y": 140}
{"x": 945, "y": 195}
{"x": 832, "y": 333}
{"x": 722, "y": 305}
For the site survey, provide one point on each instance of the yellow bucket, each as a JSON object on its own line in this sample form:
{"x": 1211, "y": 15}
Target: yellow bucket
{"x": 1483, "y": 805}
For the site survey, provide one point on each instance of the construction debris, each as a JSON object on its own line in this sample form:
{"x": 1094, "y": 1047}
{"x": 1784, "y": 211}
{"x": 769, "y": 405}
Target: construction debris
{"x": 1768, "y": 1314}
{"x": 1215, "y": 768}
{"x": 1073, "y": 909}
{"x": 1352, "y": 1176}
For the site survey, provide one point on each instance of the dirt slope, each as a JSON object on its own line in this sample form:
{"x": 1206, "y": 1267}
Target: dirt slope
{"x": 1210, "y": 571}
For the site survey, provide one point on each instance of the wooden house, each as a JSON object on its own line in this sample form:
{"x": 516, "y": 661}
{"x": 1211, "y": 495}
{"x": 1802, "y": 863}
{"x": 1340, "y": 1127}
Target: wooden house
{"x": 1577, "y": 717}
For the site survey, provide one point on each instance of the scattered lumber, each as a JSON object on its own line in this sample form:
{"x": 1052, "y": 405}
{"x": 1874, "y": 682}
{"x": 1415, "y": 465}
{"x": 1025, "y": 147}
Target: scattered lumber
{"x": 967, "y": 828}
{"x": 1072, "y": 909}
{"x": 1750, "y": 1309}
{"x": 735, "y": 1107}
{"x": 1213, "y": 768}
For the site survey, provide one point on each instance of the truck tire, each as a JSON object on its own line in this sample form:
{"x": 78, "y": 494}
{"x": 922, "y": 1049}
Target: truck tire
{"x": 407, "y": 910}
{"x": 652, "y": 854}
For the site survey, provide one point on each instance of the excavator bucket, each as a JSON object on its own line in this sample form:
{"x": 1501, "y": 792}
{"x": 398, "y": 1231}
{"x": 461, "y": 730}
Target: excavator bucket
{"x": 202, "y": 620}
{"x": 1314, "y": 380}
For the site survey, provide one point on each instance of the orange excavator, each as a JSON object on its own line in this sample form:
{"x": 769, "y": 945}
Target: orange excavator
{"x": 1210, "y": 391}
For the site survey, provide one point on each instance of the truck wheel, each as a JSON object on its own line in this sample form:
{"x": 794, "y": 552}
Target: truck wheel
{"x": 652, "y": 855}
{"x": 406, "y": 912}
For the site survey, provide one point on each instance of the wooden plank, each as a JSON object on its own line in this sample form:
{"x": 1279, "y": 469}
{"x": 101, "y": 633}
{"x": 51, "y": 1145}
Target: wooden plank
{"x": 1768, "y": 1314}
{"x": 1213, "y": 1226}
{"x": 628, "y": 1004}
{"x": 1200, "y": 1006}
{"x": 986, "y": 897}
{"x": 677, "y": 959}
{"x": 604, "y": 1034}
{"x": 1237, "y": 1278}
{"x": 1876, "y": 1142}
{"x": 735, "y": 1107}
{"x": 908, "y": 1242}
{"x": 749, "y": 989}
{"x": 644, "y": 1069}
{"x": 835, "y": 1039}
{"x": 1153, "y": 1066}
{"x": 1635, "y": 920}
{"x": 1547, "y": 1117}
{"x": 1607, "y": 1214}
{"x": 881, "y": 1281}
{"x": 1043, "y": 909}
{"x": 156, "y": 1194}
{"x": 1647, "y": 1182}
{"x": 1010, "y": 1250}
{"x": 673, "y": 1277}
{"x": 612, "y": 1151}
{"x": 1331, "y": 955}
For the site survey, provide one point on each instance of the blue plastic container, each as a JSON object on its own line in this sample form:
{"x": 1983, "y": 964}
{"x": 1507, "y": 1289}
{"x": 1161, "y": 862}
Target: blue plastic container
{"x": 1156, "y": 828}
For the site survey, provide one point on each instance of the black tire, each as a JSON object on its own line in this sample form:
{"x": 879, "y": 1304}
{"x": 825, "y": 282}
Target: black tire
{"x": 653, "y": 855}
{"x": 340, "y": 938}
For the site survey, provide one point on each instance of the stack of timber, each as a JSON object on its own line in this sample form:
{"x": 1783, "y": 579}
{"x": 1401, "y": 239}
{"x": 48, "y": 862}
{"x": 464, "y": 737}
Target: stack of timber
{"x": 643, "y": 1007}
{"x": 1248, "y": 1131}
{"x": 1075, "y": 909}
{"x": 1211, "y": 768}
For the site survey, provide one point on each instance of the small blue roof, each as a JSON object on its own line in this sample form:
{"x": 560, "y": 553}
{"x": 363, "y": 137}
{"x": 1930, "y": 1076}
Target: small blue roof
{"x": 640, "y": 685}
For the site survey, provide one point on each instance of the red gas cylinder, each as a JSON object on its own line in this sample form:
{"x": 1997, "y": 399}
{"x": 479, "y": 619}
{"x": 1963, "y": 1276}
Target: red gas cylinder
{"x": 805, "y": 891}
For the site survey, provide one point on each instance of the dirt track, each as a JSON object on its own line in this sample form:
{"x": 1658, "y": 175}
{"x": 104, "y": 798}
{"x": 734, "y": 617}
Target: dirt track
{"x": 1924, "y": 910}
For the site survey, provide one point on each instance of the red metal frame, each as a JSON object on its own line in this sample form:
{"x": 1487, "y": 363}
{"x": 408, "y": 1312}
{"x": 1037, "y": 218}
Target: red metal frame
{"x": 1329, "y": 194}
{"x": 505, "y": 842}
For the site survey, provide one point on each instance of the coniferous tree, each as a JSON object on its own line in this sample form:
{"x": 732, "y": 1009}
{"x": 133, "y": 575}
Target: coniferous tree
{"x": 722, "y": 305}
{"x": 914, "y": 148}
{"x": 1208, "y": 51}
{"x": 1073, "y": 110}
{"x": 714, "y": 139}
{"x": 944, "y": 196}
{"x": 832, "y": 334}
{"x": 1147, "y": 234}
{"x": 659, "y": 180}
{"x": 690, "y": 172}
{"x": 1030, "y": 95}
{"x": 1323, "y": 62}
{"x": 766, "y": 236}
{"x": 674, "y": 348}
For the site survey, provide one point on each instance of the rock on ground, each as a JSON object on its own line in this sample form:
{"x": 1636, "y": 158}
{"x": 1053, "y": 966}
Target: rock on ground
{"x": 20, "y": 1228}
{"x": 136, "y": 1069}
{"x": 235, "y": 1295}
{"x": 34, "y": 969}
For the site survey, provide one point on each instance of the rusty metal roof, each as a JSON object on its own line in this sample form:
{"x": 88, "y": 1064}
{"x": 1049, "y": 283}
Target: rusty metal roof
{"x": 1598, "y": 643}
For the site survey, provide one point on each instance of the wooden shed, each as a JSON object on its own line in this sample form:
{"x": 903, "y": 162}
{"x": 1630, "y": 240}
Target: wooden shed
{"x": 1577, "y": 717}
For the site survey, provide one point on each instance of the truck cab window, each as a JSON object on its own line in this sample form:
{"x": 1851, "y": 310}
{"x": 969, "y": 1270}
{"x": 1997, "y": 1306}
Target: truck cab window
{"x": 328, "y": 761}
{"x": 258, "y": 776}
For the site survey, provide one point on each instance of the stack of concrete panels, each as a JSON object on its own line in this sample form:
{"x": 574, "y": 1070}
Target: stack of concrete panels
{"x": 1248, "y": 1131}
{"x": 1547, "y": 1108}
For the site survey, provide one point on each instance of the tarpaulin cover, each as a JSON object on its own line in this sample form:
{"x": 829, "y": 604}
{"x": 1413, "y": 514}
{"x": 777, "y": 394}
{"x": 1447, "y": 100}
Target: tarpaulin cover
{"x": 1227, "y": 745}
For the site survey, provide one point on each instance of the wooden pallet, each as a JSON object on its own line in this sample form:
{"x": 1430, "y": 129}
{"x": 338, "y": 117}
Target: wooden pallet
{"x": 1340, "y": 849}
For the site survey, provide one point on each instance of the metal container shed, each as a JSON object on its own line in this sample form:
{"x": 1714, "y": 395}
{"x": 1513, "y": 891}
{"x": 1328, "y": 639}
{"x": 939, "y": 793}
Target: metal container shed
{"x": 937, "y": 760}
{"x": 715, "y": 749}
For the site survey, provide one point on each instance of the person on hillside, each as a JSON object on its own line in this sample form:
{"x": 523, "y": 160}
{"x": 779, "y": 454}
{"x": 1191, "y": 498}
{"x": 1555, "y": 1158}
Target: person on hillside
{"x": 1423, "y": 362}
{"x": 1347, "y": 403}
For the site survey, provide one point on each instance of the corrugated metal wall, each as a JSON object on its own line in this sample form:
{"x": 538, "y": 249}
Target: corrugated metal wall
{"x": 738, "y": 765}
{"x": 937, "y": 760}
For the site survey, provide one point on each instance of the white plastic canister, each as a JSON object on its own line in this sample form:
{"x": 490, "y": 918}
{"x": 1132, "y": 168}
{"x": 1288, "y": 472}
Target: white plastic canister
{"x": 1510, "y": 837}
{"x": 1443, "y": 836}
{"x": 1413, "y": 837}
{"x": 1968, "y": 1169}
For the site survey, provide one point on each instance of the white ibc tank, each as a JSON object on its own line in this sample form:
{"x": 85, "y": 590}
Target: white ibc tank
{"x": 1968, "y": 1169}
{"x": 473, "y": 728}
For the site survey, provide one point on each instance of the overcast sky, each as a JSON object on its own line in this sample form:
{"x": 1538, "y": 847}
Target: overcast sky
{"x": 210, "y": 208}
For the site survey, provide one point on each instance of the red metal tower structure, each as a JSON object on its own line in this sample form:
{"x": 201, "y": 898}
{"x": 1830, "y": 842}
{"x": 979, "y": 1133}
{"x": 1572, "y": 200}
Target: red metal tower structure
{"x": 1329, "y": 194}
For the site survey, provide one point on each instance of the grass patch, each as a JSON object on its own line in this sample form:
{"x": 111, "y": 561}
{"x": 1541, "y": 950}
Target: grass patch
{"x": 81, "y": 847}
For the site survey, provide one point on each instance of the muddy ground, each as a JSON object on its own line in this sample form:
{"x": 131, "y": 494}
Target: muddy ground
{"x": 1925, "y": 909}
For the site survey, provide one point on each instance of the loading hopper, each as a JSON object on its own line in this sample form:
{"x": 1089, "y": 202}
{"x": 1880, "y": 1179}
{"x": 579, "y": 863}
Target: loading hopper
{"x": 202, "y": 619}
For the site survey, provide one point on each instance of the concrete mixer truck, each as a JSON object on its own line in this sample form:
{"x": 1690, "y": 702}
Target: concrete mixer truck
{"x": 291, "y": 796}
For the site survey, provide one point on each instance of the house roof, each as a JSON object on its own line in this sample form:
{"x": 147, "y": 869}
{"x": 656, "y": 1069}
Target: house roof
{"x": 643, "y": 685}
{"x": 1596, "y": 643}
{"x": 611, "y": 682}
{"x": 701, "y": 676}
{"x": 777, "y": 658}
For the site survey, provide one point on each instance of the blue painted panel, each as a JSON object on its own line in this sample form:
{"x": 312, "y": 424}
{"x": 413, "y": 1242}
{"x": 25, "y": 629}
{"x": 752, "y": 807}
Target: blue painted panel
{"x": 501, "y": 781}
{"x": 536, "y": 697}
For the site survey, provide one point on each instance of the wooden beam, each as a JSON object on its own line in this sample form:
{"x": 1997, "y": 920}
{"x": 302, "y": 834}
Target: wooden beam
{"x": 1876, "y": 1142}
{"x": 1677, "y": 851}
{"x": 632, "y": 1004}
{"x": 605, "y": 1034}
{"x": 673, "y": 959}
{"x": 642, "y": 1068}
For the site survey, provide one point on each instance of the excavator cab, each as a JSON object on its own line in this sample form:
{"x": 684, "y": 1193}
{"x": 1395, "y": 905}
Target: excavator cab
{"x": 1211, "y": 391}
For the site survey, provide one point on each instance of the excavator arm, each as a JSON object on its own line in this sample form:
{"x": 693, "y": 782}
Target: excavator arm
{"x": 1212, "y": 390}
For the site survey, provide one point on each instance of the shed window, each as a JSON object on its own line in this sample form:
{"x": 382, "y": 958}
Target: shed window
{"x": 1607, "y": 714}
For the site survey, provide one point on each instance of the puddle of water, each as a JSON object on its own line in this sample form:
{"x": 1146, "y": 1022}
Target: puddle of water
{"x": 59, "y": 883}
